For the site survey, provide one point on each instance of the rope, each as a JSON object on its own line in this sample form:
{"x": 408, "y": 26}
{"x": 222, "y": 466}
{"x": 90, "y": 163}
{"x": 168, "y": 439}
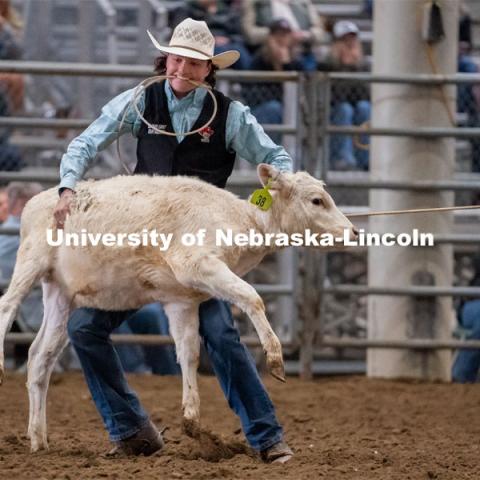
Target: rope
{"x": 134, "y": 102}
{"x": 416, "y": 210}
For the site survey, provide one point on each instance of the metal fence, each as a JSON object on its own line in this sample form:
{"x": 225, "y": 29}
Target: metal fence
{"x": 308, "y": 131}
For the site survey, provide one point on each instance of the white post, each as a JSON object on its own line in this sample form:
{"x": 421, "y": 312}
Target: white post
{"x": 400, "y": 49}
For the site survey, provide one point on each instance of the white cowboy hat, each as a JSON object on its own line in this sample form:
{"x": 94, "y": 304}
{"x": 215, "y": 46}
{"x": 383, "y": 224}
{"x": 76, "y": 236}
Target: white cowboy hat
{"x": 193, "y": 39}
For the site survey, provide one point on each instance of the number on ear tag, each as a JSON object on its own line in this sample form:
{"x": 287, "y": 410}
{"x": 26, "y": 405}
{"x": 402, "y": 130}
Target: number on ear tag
{"x": 261, "y": 198}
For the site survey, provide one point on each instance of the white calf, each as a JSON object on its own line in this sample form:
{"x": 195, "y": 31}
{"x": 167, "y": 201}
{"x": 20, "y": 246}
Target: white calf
{"x": 179, "y": 277}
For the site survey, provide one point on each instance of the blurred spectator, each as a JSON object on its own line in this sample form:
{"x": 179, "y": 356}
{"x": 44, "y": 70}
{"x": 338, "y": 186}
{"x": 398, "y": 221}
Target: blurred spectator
{"x": 11, "y": 84}
{"x": 307, "y": 26}
{"x": 368, "y": 8}
{"x": 3, "y": 205}
{"x": 31, "y": 310}
{"x": 350, "y": 100}
{"x": 19, "y": 194}
{"x": 467, "y": 362}
{"x": 276, "y": 54}
{"x": 468, "y": 94}
{"x": 223, "y": 21}
{"x": 159, "y": 360}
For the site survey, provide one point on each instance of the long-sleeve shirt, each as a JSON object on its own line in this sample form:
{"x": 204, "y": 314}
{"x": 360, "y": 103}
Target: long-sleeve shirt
{"x": 301, "y": 14}
{"x": 244, "y": 135}
{"x": 8, "y": 248}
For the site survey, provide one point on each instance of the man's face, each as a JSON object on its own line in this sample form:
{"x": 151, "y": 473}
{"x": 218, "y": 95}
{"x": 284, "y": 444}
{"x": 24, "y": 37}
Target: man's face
{"x": 350, "y": 39}
{"x": 3, "y": 205}
{"x": 187, "y": 68}
{"x": 283, "y": 38}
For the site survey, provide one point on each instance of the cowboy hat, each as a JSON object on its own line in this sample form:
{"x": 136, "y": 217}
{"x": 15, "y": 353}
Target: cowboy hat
{"x": 193, "y": 39}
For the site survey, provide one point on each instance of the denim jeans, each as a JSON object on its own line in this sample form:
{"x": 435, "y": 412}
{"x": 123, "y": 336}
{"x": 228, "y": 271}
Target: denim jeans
{"x": 467, "y": 362}
{"x": 342, "y": 149}
{"x": 160, "y": 360}
{"x": 123, "y": 415}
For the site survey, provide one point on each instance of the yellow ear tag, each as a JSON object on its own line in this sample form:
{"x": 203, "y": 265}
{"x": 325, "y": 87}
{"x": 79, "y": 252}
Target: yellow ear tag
{"x": 261, "y": 198}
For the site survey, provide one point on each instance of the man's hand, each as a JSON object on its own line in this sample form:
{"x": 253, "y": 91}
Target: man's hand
{"x": 62, "y": 208}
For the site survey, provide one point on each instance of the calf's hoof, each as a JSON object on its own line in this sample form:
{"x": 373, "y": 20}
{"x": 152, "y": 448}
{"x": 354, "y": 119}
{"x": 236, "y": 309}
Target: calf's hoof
{"x": 36, "y": 446}
{"x": 191, "y": 427}
{"x": 276, "y": 368}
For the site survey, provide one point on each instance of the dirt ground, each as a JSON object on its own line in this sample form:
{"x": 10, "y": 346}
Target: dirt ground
{"x": 339, "y": 428}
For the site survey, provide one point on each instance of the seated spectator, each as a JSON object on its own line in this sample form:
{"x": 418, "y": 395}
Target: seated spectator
{"x": 466, "y": 366}
{"x": 350, "y": 100}
{"x": 159, "y": 360}
{"x": 11, "y": 84}
{"x": 18, "y": 195}
{"x": 31, "y": 309}
{"x": 368, "y": 8}
{"x": 307, "y": 26}
{"x": 276, "y": 54}
{"x": 223, "y": 21}
{"x": 3, "y": 205}
{"x": 468, "y": 94}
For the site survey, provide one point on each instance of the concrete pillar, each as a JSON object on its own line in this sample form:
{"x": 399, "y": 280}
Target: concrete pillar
{"x": 400, "y": 49}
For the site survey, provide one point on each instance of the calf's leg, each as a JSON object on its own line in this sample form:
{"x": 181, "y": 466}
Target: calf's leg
{"x": 29, "y": 268}
{"x": 184, "y": 326}
{"x": 42, "y": 356}
{"x": 213, "y": 276}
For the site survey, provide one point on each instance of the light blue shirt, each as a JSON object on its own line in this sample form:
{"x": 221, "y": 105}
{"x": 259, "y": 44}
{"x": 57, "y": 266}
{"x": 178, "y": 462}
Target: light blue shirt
{"x": 8, "y": 248}
{"x": 244, "y": 135}
{"x": 31, "y": 308}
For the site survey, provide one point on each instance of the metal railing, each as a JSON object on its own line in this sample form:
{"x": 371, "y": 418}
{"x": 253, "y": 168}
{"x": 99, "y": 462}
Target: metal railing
{"x": 316, "y": 88}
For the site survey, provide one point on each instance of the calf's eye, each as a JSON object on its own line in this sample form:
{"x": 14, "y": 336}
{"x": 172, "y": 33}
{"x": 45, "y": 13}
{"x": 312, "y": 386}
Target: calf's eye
{"x": 317, "y": 201}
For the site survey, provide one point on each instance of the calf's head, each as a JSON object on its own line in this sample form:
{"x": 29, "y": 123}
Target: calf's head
{"x": 301, "y": 202}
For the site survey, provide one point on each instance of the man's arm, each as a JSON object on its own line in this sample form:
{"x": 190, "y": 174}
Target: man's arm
{"x": 103, "y": 131}
{"x": 247, "y": 138}
{"x": 84, "y": 148}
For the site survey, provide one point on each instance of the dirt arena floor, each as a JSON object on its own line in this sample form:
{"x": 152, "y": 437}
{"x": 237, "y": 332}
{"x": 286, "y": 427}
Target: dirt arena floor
{"x": 340, "y": 428}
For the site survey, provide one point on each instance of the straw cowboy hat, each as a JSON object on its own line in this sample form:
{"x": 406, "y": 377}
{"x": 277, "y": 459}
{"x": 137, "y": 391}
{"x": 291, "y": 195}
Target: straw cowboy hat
{"x": 193, "y": 39}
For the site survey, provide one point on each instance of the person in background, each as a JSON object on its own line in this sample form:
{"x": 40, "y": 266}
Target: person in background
{"x": 224, "y": 22}
{"x": 19, "y": 193}
{"x": 466, "y": 366}
{"x": 468, "y": 94}
{"x": 276, "y": 54}
{"x": 307, "y": 26}
{"x": 350, "y": 101}
{"x": 3, "y": 204}
{"x": 11, "y": 84}
{"x": 31, "y": 309}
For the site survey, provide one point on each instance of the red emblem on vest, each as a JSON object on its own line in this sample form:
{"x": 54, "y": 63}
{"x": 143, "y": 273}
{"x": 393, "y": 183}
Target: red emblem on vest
{"x": 206, "y": 133}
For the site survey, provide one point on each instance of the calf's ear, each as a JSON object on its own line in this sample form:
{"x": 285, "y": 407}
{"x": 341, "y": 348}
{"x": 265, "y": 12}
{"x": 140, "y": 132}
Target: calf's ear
{"x": 278, "y": 181}
{"x": 266, "y": 172}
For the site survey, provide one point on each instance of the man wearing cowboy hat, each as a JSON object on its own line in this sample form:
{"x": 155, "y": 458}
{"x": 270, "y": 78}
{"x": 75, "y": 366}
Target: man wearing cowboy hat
{"x": 175, "y": 105}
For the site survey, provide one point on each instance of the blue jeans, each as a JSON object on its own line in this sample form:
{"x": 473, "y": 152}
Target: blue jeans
{"x": 467, "y": 363}
{"x": 160, "y": 360}
{"x": 123, "y": 415}
{"x": 342, "y": 149}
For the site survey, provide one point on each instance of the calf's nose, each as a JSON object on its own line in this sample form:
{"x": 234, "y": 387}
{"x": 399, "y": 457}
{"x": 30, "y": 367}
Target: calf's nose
{"x": 355, "y": 233}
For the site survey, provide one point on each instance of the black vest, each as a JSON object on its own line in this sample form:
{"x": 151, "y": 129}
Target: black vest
{"x": 162, "y": 155}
